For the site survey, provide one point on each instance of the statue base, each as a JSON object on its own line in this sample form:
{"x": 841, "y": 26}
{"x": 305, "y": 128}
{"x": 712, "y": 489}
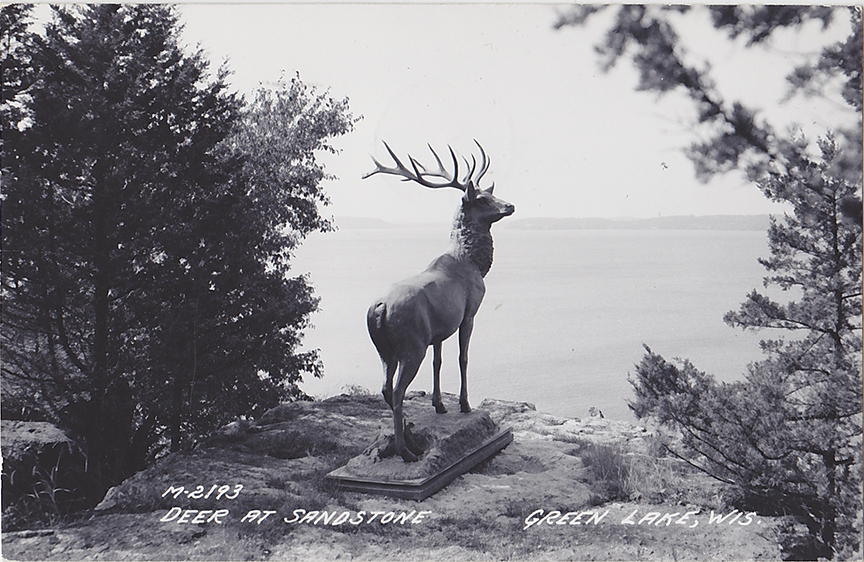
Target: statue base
{"x": 452, "y": 444}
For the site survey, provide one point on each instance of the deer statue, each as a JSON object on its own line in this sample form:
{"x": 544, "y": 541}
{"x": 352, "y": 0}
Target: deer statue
{"x": 428, "y": 308}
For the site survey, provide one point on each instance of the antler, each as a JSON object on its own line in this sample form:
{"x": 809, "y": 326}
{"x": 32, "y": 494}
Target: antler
{"x": 418, "y": 172}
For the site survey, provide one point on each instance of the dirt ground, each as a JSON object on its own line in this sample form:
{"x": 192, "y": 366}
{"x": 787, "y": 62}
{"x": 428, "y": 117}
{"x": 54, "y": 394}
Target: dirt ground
{"x": 256, "y": 491}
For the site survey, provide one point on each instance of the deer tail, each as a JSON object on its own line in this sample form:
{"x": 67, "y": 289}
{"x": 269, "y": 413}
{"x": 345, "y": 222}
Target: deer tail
{"x": 377, "y": 324}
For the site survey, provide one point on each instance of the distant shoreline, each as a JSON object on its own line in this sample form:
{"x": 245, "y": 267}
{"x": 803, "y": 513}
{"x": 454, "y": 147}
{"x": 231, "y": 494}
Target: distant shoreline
{"x": 691, "y": 222}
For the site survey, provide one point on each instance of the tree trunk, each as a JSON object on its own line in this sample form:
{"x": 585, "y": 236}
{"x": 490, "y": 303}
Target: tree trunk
{"x": 99, "y": 358}
{"x": 177, "y": 410}
{"x": 829, "y": 523}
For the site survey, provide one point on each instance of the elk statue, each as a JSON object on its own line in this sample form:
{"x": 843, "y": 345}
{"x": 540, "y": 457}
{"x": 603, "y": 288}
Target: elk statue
{"x": 428, "y": 308}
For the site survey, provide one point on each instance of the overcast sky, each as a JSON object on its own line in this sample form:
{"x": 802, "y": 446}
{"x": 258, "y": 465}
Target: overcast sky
{"x": 565, "y": 139}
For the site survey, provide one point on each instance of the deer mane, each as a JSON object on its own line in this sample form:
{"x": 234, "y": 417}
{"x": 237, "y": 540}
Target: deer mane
{"x": 472, "y": 241}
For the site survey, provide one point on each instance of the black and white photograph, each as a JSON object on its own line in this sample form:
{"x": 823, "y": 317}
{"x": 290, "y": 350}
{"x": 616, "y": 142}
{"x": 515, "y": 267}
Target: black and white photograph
{"x": 431, "y": 281}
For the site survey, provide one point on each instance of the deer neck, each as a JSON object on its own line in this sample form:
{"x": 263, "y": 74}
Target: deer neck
{"x": 472, "y": 242}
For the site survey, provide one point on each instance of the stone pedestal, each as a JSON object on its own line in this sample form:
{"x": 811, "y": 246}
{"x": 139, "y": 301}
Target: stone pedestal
{"x": 453, "y": 443}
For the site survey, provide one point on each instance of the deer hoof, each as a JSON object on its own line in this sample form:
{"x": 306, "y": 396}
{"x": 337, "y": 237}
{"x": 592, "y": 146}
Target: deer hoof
{"x": 439, "y": 408}
{"x": 413, "y": 448}
{"x": 464, "y": 407}
{"x": 407, "y": 455}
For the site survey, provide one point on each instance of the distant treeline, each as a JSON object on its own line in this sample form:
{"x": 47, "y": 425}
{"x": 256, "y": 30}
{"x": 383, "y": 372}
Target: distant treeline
{"x": 710, "y": 222}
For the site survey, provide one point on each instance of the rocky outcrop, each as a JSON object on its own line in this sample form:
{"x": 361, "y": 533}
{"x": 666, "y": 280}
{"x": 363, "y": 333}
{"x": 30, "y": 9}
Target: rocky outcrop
{"x": 256, "y": 490}
{"x": 528, "y": 423}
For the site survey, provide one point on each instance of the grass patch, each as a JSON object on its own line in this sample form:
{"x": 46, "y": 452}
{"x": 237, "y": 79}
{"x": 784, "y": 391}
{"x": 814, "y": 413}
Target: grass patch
{"x": 610, "y": 471}
{"x": 615, "y": 474}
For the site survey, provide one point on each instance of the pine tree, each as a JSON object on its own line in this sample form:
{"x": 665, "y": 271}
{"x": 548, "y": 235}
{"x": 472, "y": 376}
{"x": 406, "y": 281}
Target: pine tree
{"x": 789, "y": 434}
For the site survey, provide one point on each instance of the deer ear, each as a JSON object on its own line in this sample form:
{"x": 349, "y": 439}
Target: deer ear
{"x": 489, "y": 189}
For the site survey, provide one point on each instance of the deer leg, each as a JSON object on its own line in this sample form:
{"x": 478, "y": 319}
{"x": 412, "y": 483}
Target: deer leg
{"x": 407, "y": 371}
{"x": 436, "y": 379}
{"x": 464, "y": 337}
{"x": 387, "y": 389}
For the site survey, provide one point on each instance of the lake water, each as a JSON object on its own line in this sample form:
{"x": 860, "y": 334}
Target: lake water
{"x": 565, "y": 315}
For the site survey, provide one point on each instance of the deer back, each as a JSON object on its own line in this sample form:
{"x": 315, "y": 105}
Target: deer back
{"x": 434, "y": 303}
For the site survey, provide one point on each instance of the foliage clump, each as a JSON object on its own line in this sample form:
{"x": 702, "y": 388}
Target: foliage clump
{"x": 732, "y": 135}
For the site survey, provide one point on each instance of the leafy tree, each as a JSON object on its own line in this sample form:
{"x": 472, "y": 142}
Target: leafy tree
{"x": 789, "y": 434}
{"x": 148, "y": 221}
{"x": 242, "y": 308}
